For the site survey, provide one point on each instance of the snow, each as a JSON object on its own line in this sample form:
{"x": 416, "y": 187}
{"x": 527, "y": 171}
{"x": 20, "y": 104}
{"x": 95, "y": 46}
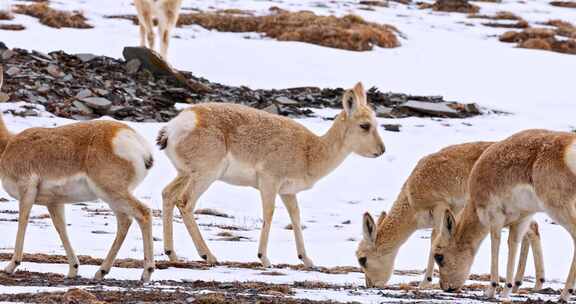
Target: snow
{"x": 440, "y": 56}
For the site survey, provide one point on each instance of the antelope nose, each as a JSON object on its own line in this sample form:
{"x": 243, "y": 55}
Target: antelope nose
{"x": 381, "y": 150}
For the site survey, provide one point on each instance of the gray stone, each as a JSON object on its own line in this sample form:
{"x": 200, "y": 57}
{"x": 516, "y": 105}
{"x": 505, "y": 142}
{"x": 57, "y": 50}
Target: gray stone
{"x": 7, "y": 54}
{"x": 97, "y": 103}
{"x": 392, "y": 127}
{"x": 43, "y": 89}
{"x": 82, "y": 107}
{"x": 102, "y": 92}
{"x": 55, "y": 71}
{"x": 441, "y": 109}
{"x": 286, "y": 101}
{"x": 133, "y": 66}
{"x": 68, "y": 77}
{"x": 86, "y": 57}
{"x": 271, "y": 109}
{"x": 84, "y": 93}
{"x": 12, "y": 71}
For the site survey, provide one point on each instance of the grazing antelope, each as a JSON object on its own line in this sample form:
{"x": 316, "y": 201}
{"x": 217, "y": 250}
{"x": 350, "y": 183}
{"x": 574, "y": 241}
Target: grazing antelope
{"x": 166, "y": 12}
{"x": 437, "y": 183}
{"x": 76, "y": 163}
{"x": 247, "y": 147}
{"x": 531, "y": 171}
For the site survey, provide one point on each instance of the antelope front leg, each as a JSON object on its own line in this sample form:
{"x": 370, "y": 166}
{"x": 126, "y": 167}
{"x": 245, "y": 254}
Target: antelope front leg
{"x": 59, "y": 220}
{"x": 268, "y": 194}
{"x": 521, "y": 269}
{"x": 534, "y": 237}
{"x": 494, "y": 275}
{"x": 291, "y": 204}
{"x": 123, "y": 222}
{"x": 27, "y": 199}
{"x": 514, "y": 236}
{"x": 169, "y": 196}
{"x": 427, "y": 281}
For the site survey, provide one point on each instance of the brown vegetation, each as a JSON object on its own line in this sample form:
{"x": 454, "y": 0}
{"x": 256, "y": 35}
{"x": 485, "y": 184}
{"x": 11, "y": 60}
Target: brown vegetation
{"x": 540, "y": 38}
{"x": 503, "y": 15}
{"x": 563, "y": 28}
{"x": 569, "y": 4}
{"x": 349, "y": 32}
{"x": 452, "y": 6}
{"x": 12, "y": 27}
{"x": 5, "y": 15}
{"x": 51, "y": 17}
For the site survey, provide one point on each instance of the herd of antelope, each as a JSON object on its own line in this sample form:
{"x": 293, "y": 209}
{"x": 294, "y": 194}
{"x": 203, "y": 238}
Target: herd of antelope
{"x": 463, "y": 192}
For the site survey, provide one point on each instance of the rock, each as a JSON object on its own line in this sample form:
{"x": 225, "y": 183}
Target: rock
{"x": 392, "y": 127}
{"x": 84, "y": 93}
{"x": 85, "y": 57}
{"x": 133, "y": 66}
{"x": 3, "y": 46}
{"x": 68, "y": 77}
{"x": 286, "y": 101}
{"x": 97, "y": 103}
{"x": 12, "y": 71}
{"x": 437, "y": 109}
{"x": 272, "y": 108}
{"x": 8, "y": 54}
{"x": 82, "y": 107}
{"x": 43, "y": 89}
{"x": 55, "y": 71}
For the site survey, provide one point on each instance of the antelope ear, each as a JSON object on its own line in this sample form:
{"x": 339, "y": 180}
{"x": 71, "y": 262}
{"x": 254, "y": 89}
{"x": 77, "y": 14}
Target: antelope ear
{"x": 381, "y": 218}
{"x": 349, "y": 102}
{"x": 448, "y": 225}
{"x": 360, "y": 93}
{"x": 369, "y": 228}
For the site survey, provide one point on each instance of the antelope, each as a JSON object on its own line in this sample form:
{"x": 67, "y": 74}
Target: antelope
{"x": 78, "y": 162}
{"x": 531, "y": 171}
{"x": 248, "y": 147}
{"x": 166, "y": 12}
{"x": 437, "y": 183}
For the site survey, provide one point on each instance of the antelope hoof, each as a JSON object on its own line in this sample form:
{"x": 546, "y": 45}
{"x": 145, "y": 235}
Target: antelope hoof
{"x": 307, "y": 262}
{"x": 100, "y": 274}
{"x": 210, "y": 259}
{"x": 539, "y": 284}
{"x": 72, "y": 272}
{"x": 172, "y": 257}
{"x": 11, "y": 267}
{"x": 265, "y": 262}
{"x": 147, "y": 274}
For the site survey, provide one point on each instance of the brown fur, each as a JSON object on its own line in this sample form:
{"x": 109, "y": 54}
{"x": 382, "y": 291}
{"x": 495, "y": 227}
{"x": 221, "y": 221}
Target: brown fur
{"x": 167, "y": 12}
{"x": 72, "y": 163}
{"x": 438, "y": 182}
{"x": 524, "y": 174}
{"x": 247, "y": 147}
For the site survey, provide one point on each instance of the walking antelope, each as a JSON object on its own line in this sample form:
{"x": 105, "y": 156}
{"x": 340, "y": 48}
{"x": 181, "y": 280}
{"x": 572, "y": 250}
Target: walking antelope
{"x": 531, "y": 171}
{"x": 247, "y": 147}
{"x": 166, "y": 12}
{"x": 437, "y": 183}
{"x": 76, "y": 163}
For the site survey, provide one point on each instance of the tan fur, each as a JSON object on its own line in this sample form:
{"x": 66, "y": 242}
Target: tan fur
{"x": 72, "y": 163}
{"x": 527, "y": 173}
{"x": 437, "y": 183}
{"x": 166, "y": 12}
{"x": 248, "y": 147}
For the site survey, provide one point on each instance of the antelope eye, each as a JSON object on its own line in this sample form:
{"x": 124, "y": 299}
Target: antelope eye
{"x": 439, "y": 259}
{"x": 362, "y": 261}
{"x": 365, "y": 127}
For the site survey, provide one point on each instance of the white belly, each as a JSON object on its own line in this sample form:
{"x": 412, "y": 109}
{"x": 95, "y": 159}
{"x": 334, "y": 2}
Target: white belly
{"x": 239, "y": 173}
{"x": 68, "y": 190}
{"x": 512, "y": 206}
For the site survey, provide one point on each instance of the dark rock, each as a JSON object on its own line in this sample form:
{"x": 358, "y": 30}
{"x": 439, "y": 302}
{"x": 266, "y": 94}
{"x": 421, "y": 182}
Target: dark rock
{"x": 12, "y": 71}
{"x": 436, "y": 109}
{"x": 133, "y": 66}
{"x": 392, "y": 127}
{"x": 3, "y": 46}
{"x": 55, "y": 71}
{"x": 8, "y": 54}
{"x": 85, "y": 57}
{"x": 286, "y": 101}
{"x": 84, "y": 93}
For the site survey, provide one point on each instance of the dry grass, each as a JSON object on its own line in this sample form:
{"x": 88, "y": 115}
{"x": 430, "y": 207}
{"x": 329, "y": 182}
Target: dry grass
{"x": 349, "y": 32}
{"x": 51, "y": 17}
{"x": 569, "y": 4}
{"x": 5, "y": 15}
{"x": 452, "y": 6}
{"x": 563, "y": 28}
{"x": 212, "y": 212}
{"x": 541, "y": 39}
{"x": 12, "y": 27}
{"x": 502, "y": 15}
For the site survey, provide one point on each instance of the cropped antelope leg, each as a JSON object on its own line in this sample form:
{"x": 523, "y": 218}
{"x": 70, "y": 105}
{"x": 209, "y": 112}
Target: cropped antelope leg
{"x": 186, "y": 205}
{"x": 58, "y": 217}
{"x": 521, "y": 269}
{"x": 495, "y": 250}
{"x": 534, "y": 237}
{"x": 169, "y": 195}
{"x": 27, "y": 198}
{"x": 268, "y": 196}
{"x": 123, "y": 223}
{"x": 291, "y": 204}
{"x": 515, "y": 234}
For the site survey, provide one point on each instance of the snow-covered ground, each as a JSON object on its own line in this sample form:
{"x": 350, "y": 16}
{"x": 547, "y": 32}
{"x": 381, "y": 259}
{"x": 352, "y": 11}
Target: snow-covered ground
{"x": 443, "y": 54}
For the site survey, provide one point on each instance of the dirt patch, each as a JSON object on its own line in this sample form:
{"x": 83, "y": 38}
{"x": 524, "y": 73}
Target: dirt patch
{"x": 451, "y": 6}
{"x": 349, "y": 32}
{"x": 569, "y": 4}
{"x": 12, "y": 27}
{"x": 541, "y": 39}
{"x": 52, "y": 17}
